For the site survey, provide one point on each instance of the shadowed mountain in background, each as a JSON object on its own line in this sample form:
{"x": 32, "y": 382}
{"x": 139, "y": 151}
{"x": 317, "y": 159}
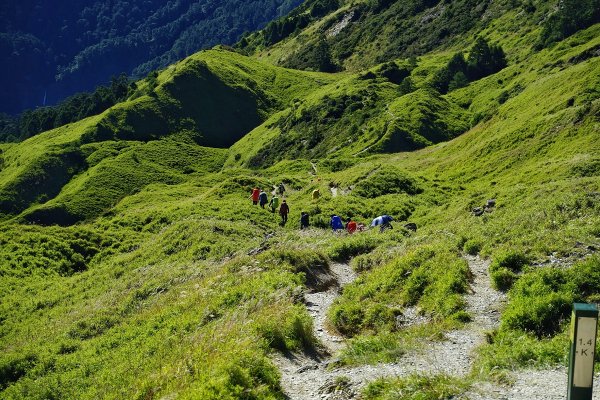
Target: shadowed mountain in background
{"x": 50, "y": 50}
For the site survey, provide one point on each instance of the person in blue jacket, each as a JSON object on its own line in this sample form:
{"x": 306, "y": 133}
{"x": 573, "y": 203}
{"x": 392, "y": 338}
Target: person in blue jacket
{"x": 384, "y": 222}
{"x": 336, "y": 223}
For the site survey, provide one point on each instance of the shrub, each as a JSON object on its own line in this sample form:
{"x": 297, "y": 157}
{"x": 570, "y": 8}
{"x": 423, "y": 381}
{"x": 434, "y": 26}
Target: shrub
{"x": 393, "y": 73}
{"x": 353, "y": 246}
{"x": 386, "y": 180}
{"x": 366, "y": 262}
{"x": 542, "y": 299}
{"x": 541, "y": 315}
{"x": 587, "y": 169}
{"x": 347, "y": 318}
{"x": 311, "y": 264}
{"x": 472, "y": 247}
{"x": 13, "y": 367}
{"x": 292, "y": 333}
{"x": 503, "y": 278}
{"x": 245, "y": 375}
{"x": 570, "y": 16}
{"x": 506, "y": 267}
{"x": 512, "y": 260}
{"x": 461, "y": 316}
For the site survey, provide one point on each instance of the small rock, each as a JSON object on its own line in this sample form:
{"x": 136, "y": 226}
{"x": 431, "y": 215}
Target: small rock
{"x": 411, "y": 226}
{"x": 307, "y": 368}
{"x": 334, "y": 362}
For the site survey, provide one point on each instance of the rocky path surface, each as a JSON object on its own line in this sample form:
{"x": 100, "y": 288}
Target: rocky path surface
{"x": 315, "y": 376}
{"x": 546, "y": 384}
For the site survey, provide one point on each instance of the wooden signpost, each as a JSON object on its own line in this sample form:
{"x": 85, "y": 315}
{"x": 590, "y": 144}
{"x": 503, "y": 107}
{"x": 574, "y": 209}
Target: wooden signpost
{"x": 584, "y": 326}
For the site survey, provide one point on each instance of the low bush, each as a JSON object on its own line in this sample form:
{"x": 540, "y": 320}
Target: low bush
{"x": 512, "y": 260}
{"x": 472, "y": 247}
{"x": 541, "y": 300}
{"x": 366, "y": 262}
{"x": 244, "y": 375}
{"x": 503, "y": 278}
{"x": 355, "y": 245}
{"x": 433, "y": 278}
{"x": 13, "y": 367}
{"x": 294, "y": 332}
{"x": 505, "y": 268}
{"x": 313, "y": 265}
{"x": 386, "y": 180}
{"x": 431, "y": 387}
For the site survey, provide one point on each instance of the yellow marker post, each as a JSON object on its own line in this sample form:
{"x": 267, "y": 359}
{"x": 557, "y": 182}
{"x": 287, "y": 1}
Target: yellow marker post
{"x": 584, "y": 327}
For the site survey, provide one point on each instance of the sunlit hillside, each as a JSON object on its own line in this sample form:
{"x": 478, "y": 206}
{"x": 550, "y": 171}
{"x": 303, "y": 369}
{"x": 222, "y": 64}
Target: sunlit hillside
{"x": 133, "y": 263}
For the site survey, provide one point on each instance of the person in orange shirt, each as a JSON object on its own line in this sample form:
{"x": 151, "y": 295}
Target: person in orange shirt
{"x": 351, "y": 226}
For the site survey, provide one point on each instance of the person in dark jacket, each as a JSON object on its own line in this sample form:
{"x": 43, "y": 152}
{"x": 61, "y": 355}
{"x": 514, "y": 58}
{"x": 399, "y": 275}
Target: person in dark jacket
{"x": 304, "y": 223}
{"x": 263, "y": 198}
{"x": 284, "y": 210}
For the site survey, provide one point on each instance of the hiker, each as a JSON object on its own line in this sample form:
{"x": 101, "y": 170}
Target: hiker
{"x": 316, "y": 194}
{"x": 384, "y": 222}
{"x": 304, "y": 220}
{"x": 351, "y": 226}
{"x": 255, "y": 195}
{"x": 284, "y": 210}
{"x": 263, "y": 198}
{"x": 281, "y": 189}
{"x": 336, "y": 223}
{"x": 274, "y": 203}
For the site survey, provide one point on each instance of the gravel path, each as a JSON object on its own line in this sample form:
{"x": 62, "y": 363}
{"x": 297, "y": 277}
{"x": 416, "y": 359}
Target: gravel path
{"x": 547, "y": 384}
{"x": 315, "y": 376}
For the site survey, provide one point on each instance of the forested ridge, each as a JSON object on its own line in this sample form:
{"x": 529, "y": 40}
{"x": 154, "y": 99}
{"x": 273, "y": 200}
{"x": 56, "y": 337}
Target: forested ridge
{"x": 50, "y": 50}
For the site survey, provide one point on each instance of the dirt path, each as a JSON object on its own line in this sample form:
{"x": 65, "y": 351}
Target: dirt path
{"x": 315, "y": 376}
{"x": 308, "y": 377}
{"x": 530, "y": 384}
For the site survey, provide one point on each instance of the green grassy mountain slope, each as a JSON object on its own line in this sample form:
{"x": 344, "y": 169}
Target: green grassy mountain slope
{"x": 166, "y": 282}
{"x": 212, "y": 98}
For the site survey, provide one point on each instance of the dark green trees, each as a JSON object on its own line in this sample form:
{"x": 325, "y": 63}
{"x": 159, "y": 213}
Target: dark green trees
{"x": 570, "y": 16}
{"x": 72, "y": 109}
{"x": 322, "y": 57}
{"x": 483, "y": 60}
{"x": 316, "y": 57}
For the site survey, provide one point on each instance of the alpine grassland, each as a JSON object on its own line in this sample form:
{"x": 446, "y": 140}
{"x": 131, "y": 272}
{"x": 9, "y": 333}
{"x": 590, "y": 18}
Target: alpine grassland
{"x": 133, "y": 263}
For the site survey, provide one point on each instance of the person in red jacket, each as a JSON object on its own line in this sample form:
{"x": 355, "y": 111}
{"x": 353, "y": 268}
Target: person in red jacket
{"x": 351, "y": 226}
{"x": 284, "y": 210}
{"x": 255, "y": 195}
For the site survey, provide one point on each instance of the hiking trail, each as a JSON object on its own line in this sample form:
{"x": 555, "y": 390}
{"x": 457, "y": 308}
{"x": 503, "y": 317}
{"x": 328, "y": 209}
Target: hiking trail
{"x": 316, "y": 376}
